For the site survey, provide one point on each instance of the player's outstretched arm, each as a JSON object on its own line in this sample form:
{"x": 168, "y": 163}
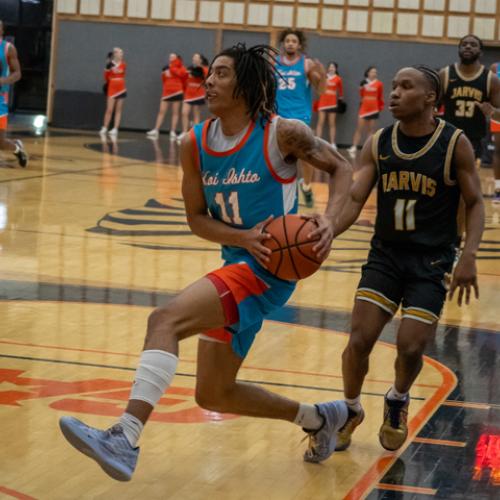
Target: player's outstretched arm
{"x": 14, "y": 68}
{"x": 465, "y": 275}
{"x": 316, "y": 75}
{"x": 208, "y": 228}
{"x": 296, "y": 141}
{"x": 364, "y": 180}
{"x": 491, "y": 108}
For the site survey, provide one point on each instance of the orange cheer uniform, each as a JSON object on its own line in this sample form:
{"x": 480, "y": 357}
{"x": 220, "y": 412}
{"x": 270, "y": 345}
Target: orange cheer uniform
{"x": 173, "y": 77}
{"x": 195, "y": 91}
{"x": 115, "y": 79}
{"x": 372, "y": 98}
{"x": 333, "y": 92}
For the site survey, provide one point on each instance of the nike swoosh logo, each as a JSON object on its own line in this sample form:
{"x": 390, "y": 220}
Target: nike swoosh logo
{"x": 435, "y": 262}
{"x": 383, "y": 158}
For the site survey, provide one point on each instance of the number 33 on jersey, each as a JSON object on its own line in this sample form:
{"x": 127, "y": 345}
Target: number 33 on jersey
{"x": 417, "y": 192}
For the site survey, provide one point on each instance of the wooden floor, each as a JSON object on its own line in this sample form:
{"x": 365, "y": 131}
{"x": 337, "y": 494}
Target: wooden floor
{"x": 93, "y": 236}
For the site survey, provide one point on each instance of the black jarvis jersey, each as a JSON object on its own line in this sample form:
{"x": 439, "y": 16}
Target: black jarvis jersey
{"x": 417, "y": 193}
{"x": 460, "y": 94}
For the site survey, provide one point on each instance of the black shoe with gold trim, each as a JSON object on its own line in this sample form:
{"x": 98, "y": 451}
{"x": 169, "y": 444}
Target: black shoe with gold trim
{"x": 394, "y": 429}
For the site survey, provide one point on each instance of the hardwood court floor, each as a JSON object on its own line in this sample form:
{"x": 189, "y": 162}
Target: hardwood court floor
{"x": 92, "y": 236}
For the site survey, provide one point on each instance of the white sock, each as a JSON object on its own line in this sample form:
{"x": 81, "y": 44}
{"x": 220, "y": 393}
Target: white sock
{"x": 153, "y": 376}
{"x": 394, "y": 394}
{"x": 306, "y": 187}
{"x": 308, "y": 417}
{"x": 132, "y": 428}
{"x": 354, "y": 404}
{"x": 497, "y": 184}
{"x": 17, "y": 149}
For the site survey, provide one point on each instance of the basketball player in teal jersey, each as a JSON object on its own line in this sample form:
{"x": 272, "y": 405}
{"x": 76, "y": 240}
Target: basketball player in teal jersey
{"x": 10, "y": 73}
{"x": 420, "y": 165}
{"x": 239, "y": 170}
{"x": 298, "y": 74}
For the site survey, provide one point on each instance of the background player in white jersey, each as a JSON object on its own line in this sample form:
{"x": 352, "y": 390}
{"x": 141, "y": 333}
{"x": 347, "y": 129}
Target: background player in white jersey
{"x": 298, "y": 73}
{"x": 239, "y": 171}
{"x": 10, "y": 73}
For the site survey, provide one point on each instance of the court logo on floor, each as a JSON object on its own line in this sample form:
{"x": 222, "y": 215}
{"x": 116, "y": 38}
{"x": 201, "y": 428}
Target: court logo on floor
{"x": 100, "y": 396}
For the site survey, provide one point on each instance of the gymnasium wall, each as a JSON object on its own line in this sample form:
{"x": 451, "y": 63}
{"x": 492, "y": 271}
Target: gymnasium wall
{"x": 79, "y": 64}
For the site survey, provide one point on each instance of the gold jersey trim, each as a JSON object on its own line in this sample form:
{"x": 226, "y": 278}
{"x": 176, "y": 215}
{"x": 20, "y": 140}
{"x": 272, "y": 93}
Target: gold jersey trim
{"x": 446, "y": 79}
{"x": 421, "y": 152}
{"x": 488, "y": 85}
{"x": 375, "y": 139}
{"x": 449, "y": 156}
{"x": 469, "y": 78}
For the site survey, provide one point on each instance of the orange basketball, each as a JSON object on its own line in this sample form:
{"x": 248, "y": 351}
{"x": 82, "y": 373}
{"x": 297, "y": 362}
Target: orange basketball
{"x": 292, "y": 257}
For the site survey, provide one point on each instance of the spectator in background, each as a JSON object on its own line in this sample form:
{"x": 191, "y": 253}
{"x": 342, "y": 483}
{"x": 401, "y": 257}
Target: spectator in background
{"x": 116, "y": 91}
{"x": 372, "y": 103}
{"x": 194, "y": 94}
{"x": 328, "y": 102}
{"x": 174, "y": 77}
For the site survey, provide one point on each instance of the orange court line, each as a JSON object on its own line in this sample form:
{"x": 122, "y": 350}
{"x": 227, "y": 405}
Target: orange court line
{"x": 248, "y": 367}
{"x": 440, "y": 442}
{"x": 15, "y": 494}
{"x": 406, "y": 489}
{"x": 465, "y": 404}
{"x": 377, "y": 470}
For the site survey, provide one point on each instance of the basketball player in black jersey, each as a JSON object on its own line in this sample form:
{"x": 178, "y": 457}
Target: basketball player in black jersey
{"x": 420, "y": 165}
{"x": 470, "y": 92}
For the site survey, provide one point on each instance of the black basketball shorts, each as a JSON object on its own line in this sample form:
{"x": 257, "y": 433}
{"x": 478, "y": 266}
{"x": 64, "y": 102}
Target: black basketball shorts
{"x": 414, "y": 279}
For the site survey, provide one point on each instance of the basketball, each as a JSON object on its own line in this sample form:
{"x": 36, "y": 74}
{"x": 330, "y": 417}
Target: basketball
{"x": 292, "y": 257}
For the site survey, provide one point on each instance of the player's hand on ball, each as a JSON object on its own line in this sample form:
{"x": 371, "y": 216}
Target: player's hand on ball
{"x": 253, "y": 239}
{"x": 464, "y": 278}
{"x": 324, "y": 231}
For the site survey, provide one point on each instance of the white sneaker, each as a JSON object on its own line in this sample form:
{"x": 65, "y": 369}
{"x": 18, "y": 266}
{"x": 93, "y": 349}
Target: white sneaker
{"x": 173, "y": 135}
{"x": 334, "y": 146}
{"x": 153, "y": 134}
{"x": 103, "y": 131}
{"x": 352, "y": 151}
{"x": 113, "y": 132}
{"x": 180, "y": 137}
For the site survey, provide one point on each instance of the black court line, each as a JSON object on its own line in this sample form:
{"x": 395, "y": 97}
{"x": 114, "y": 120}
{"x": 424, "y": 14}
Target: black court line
{"x": 190, "y": 375}
{"x": 66, "y": 172}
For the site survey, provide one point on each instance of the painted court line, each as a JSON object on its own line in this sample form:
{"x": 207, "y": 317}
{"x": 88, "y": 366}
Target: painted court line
{"x": 186, "y": 360}
{"x": 440, "y": 442}
{"x": 406, "y": 489}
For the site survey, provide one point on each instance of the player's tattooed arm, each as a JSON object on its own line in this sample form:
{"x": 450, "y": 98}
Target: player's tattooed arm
{"x": 14, "y": 67}
{"x": 205, "y": 226}
{"x": 364, "y": 181}
{"x": 465, "y": 275}
{"x": 296, "y": 141}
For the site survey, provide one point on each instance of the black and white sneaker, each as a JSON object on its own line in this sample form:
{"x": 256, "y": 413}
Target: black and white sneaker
{"x": 21, "y": 154}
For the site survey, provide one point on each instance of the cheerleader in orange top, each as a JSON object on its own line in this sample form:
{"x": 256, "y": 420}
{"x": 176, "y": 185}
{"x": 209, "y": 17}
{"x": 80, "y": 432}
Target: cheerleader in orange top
{"x": 194, "y": 94}
{"x": 116, "y": 91}
{"x": 173, "y": 76}
{"x": 328, "y": 101}
{"x": 372, "y": 103}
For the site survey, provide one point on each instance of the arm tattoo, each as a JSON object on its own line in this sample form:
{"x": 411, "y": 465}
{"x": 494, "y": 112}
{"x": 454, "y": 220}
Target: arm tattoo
{"x": 297, "y": 140}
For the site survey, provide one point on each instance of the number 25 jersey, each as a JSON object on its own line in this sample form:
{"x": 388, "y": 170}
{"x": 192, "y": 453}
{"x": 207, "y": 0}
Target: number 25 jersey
{"x": 417, "y": 191}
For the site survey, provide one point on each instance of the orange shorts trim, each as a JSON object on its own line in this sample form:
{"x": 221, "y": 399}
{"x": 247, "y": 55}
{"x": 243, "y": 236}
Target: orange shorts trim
{"x": 494, "y": 126}
{"x": 3, "y": 122}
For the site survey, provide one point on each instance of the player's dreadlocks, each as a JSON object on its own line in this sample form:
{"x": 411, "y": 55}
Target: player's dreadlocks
{"x": 256, "y": 78}
{"x": 432, "y": 76}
